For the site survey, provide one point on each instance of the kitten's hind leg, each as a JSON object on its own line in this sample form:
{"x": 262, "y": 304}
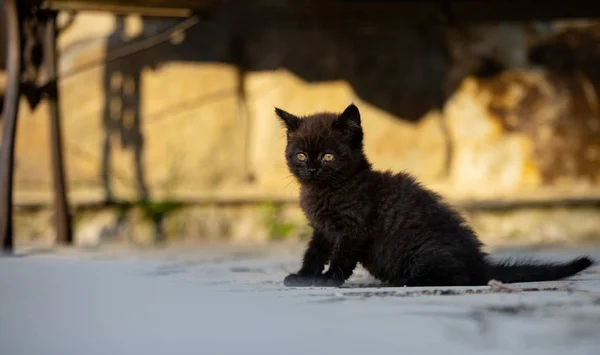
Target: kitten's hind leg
{"x": 438, "y": 269}
{"x": 315, "y": 257}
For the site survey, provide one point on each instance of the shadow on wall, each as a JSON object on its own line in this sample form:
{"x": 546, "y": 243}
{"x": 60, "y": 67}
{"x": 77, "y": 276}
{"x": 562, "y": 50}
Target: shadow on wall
{"x": 400, "y": 70}
{"x": 121, "y": 120}
{"x": 406, "y": 70}
{"x": 122, "y": 112}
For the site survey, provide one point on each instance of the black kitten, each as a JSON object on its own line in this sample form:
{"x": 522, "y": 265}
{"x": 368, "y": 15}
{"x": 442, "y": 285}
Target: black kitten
{"x": 402, "y": 233}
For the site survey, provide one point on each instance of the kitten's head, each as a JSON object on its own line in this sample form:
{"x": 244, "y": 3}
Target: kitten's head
{"x": 324, "y": 149}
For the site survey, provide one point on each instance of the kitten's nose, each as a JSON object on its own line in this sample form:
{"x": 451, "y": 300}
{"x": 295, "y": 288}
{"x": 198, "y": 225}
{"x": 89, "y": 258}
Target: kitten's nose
{"x": 312, "y": 171}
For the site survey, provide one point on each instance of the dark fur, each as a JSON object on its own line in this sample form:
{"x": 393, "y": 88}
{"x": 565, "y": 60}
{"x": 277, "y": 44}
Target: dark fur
{"x": 401, "y": 232}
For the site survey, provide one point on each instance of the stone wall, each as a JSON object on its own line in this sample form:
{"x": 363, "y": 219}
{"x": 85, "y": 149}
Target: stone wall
{"x": 495, "y": 112}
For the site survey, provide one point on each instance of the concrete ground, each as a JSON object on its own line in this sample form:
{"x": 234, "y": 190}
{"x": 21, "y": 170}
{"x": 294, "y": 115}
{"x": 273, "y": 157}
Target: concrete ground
{"x": 224, "y": 300}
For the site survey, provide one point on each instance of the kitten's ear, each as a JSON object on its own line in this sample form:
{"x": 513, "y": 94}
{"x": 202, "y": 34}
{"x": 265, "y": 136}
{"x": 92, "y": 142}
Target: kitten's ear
{"x": 348, "y": 120}
{"x": 291, "y": 122}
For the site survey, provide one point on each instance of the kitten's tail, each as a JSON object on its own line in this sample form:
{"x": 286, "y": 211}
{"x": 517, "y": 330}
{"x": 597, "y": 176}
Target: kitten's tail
{"x": 509, "y": 271}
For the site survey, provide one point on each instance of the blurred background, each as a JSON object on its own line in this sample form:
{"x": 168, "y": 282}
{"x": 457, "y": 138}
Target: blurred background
{"x": 170, "y": 135}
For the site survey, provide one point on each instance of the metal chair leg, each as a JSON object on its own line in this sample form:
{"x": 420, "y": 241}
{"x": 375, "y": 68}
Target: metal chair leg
{"x": 64, "y": 234}
{"x": 10, "y": 113}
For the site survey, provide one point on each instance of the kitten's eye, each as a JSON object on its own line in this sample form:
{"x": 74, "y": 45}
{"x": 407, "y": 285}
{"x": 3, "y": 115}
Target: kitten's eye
{"x": 328, "y": 157}
{"x": 301, "y": 156}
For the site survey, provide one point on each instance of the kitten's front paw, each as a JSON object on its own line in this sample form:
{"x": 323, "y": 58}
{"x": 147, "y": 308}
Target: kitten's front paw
{"x": 294, "y": 280}
{"x": 325, "y": 281}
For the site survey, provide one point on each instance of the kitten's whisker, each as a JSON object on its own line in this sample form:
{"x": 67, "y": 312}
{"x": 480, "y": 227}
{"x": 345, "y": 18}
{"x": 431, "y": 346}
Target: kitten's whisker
{"x": 289, "y": 183}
